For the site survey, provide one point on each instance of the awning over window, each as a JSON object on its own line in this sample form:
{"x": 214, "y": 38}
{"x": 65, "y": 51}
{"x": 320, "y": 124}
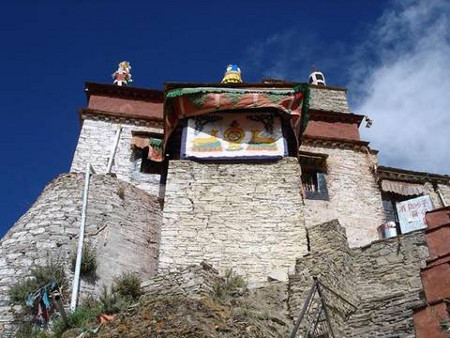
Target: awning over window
{"x": 315, "y": 160}
{"x": 154, "y": 145}
{"x": 402, "y": 188}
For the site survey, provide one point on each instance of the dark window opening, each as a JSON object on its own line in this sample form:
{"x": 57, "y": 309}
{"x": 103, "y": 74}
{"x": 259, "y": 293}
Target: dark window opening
{"x": 149, "y": 166}
{"x": 315, "y": 185}
{"x": 319, "y": 77}
{"x": 142, "y": 143}
{"x": 309, "y": 181}
{"x": 314, "y": 176}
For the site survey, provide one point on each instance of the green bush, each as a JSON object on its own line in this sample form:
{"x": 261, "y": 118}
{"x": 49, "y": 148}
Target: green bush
{"x": 19, "y": 292}
{"x": 445, "y": 325}
{"x": 88, "y": 262}
{"x": 230, "y": 286}
{"x": 52, "y": 271}
{"x": 128, "y": 285}
{"x": 40, "y": 276}
{"x": 28, "y": 330}
{"x": 80, "y": 319}
{"x": 111, "y": 301}
{"x": 125, "y": 289}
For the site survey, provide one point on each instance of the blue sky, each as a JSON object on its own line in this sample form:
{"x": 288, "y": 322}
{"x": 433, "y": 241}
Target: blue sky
{"x": 385, "y": 52}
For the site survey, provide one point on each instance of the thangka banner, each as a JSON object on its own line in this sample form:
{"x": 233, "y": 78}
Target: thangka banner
{"x": 186, "y": 103}
{"x": 234, "y": 136}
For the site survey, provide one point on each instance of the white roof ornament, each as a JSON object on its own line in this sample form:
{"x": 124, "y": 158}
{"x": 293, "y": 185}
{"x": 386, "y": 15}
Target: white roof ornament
{"x": 317, "y": 78}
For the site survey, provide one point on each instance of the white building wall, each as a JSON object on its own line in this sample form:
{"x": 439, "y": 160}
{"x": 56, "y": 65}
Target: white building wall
{"x": 355, "y": 199}
{"x": 244, "y": 216}
{"x": 95, "y": 144}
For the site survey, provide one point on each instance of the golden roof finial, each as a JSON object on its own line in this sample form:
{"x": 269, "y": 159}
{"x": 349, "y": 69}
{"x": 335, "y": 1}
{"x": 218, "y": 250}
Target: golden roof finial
{"x": 232, "y": 75}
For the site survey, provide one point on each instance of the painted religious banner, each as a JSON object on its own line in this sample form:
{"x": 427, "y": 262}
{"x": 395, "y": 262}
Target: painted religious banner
{"x": 411, "y": 213}
{"x": 239, "y": 136}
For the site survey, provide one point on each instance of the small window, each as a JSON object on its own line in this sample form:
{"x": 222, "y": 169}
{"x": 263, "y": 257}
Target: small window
{"x": 309, "y": 181}
{"x": 319, "y": 77}
{"x": 315, "y": 185}
{"x": 314, "y": 175}
{"x": 151, "y": 167}
{"x": 147, "y": 152}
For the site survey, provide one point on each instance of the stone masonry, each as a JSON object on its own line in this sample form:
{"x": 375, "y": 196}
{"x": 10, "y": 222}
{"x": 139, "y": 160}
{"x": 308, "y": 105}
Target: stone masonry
{"x": 94, "y": 146}
{"x": 195, "y": 281}
{"x": 355, "y": 198}
{"x": 122, "y": 223}
{"x": 243, "y": 216}
{"x": 445, "y": 190}
{"x": 328, "y": 99}
{"x": 381, "y": 280}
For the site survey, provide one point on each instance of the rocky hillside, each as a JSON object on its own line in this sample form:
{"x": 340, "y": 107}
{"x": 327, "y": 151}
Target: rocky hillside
{"x": 193, "y": 302}
{"x": 245, "y": 314}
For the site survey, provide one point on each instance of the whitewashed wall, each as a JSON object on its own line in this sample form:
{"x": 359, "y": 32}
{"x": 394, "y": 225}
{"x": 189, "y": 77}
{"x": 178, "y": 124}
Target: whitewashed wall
{"x": 355, "y": 198}
{"x": 94, "y": 146}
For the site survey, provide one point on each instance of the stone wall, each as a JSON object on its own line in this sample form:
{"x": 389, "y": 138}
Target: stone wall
{"x": 94, "y": 146}
{"x": 329, "y": 259}
{"x": 122, "y": 224}
{"x": 245, "y": 216}
{"x": 194, "y": 281}
{"x": 328, "y": 99}
{"x": 355, "y": 198}
{"x": 428, "y": 189}
{"x": 382, "y": 280}
{"x": 445, "y": 190}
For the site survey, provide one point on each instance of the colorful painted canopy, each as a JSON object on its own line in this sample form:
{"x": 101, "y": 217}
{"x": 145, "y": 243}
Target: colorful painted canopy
{"x": 154, "y": 146}
{"x": 189, "y": 102}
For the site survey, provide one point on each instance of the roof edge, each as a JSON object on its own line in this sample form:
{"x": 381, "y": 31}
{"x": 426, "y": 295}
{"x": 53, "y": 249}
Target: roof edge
{"x": 135, "y": 93}
{"x": 128, "y": 116}
{"x": 418, "y": 174}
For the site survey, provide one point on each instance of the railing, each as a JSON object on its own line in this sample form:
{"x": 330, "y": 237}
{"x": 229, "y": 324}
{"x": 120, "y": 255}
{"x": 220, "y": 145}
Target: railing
{"x": 314, "y": 320}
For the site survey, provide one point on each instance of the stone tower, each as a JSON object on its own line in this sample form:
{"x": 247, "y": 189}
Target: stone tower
{"x": 233, "y": 191}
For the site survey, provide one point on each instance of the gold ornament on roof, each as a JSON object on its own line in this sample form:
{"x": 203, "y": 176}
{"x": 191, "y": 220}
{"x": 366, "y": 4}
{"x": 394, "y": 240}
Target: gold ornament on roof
{"x": 232, "y": 75}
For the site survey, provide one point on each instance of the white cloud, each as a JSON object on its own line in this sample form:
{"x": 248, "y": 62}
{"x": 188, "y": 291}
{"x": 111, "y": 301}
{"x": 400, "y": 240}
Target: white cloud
{"x": 405, "y": 88}
{"x": 399, "y": 75}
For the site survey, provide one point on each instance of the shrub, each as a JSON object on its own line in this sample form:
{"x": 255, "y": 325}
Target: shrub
{"x": 232, "y": 284}
{"x": 19, "y": 292}
{"x": 40, "y": 276}
{"x": 81, "y": 318}
{"x": 28, "y": 330}
{"x": 128, "y": 285}
{"x": 125, "y": 289}
{"x": 445, "y": 325}
{"x": 52, "y": 271}
{"x": 88, "y": 262}
{"x": 111, "y": 301}
{"x": 90, "y": 301}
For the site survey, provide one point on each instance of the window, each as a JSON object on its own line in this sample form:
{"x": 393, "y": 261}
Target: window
{"x": 314, "y": 176}
{"x": 147, "y": 152}
{"x": 315, "y": 185}
{"x": 149, "y": 166}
